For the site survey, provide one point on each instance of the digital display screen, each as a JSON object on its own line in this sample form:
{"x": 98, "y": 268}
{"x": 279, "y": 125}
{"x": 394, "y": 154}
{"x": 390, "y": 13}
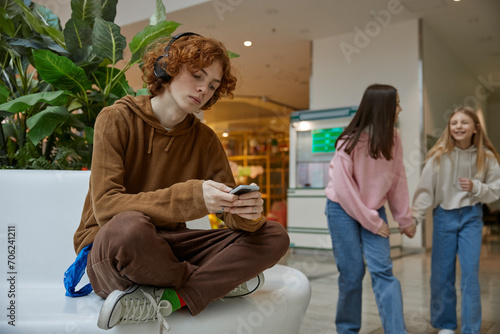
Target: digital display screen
{"x": 323, "y": 140}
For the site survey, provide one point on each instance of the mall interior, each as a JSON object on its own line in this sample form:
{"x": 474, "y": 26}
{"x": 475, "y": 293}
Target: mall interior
{"x": 301, "y": 74}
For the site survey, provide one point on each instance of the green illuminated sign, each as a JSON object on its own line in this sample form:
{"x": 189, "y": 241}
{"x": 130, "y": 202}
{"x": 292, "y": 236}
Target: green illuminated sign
{"x": 323, "y": 140}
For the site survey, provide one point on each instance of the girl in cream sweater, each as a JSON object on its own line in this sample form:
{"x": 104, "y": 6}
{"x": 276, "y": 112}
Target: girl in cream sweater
{"x": 461, "y": 172}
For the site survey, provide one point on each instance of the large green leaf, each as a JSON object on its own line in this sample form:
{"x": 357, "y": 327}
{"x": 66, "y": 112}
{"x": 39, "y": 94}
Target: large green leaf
{"x": 11, "y": 7}
{"x": 47, "y": 16}
{"x": 45, "y": 122}
{"x": 107, "y": 42}
{"x": 232, "y": 54}
{"x": 53, "y": 46}
{"x": 148, "y": 35}
{"x": 23, "y": 46}
{"x": 77, "y": 34}
{"x": 142, "y": 91}
{"x": 57, "y": 98}
{"x": 86, "y": 10}
{"x": 4, "y": 94}
{"x": 89, "y": 135}
{"x": 39, "y": 26}
{"x": 61, "y": 72}
{"x": 160, "y": 14}
{"x": 108, "y": 10}
{"x": 6, "y": 23}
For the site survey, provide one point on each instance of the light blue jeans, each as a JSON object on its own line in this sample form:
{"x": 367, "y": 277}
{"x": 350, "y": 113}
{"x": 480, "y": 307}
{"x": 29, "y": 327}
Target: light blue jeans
{"x": 351, "y": 244}
{"x": 459, "y": 232}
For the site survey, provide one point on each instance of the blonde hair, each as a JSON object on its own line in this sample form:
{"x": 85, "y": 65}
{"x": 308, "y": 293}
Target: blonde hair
{"x": 446, "y": 143}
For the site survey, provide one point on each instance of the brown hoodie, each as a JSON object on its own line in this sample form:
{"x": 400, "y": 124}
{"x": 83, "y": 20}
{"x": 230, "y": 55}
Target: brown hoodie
{"x": 138, "y": 165}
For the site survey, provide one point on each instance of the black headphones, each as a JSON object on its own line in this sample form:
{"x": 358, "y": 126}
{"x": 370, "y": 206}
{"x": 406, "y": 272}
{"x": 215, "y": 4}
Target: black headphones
{"x": 161, "y": 73}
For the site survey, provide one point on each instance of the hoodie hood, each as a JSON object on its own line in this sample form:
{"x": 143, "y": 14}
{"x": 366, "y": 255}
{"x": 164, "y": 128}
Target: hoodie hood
{"x": 141, "y": 106}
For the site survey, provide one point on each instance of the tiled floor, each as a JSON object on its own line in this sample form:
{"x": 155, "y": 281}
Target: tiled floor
{"x": 412, "y": 268}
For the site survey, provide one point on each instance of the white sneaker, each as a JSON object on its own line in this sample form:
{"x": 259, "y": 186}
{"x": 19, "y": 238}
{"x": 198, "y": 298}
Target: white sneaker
{"x": 140, "y": 303}
{"x": 446, "y": 331}
{"x": 247, "y": 287}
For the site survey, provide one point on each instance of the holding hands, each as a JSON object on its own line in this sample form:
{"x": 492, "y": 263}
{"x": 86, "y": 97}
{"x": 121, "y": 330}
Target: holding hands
{"x": 410, "y": 231}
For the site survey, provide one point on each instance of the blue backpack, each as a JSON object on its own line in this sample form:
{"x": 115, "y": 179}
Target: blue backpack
{"x": 74, "y": 274}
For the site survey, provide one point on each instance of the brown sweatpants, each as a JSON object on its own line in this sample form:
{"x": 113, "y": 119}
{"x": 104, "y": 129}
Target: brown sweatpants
{"x": 200, "y": 265}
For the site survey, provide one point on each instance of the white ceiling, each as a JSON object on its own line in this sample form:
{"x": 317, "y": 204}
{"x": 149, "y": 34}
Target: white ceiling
{"x": 276, "y": 68}
{"x": 277, "y": 65}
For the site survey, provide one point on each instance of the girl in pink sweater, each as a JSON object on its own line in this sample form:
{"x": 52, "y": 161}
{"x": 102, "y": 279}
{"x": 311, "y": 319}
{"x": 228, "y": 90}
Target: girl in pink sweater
{"x": 366, "y": 172}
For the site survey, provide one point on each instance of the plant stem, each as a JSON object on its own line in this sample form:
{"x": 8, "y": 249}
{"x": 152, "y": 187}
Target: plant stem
{"x": 3, "y": 145}
{"x": 22, "y": 75}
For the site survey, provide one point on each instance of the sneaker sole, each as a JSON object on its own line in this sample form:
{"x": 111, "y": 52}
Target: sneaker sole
{"x": 260, "y": 278}
{"x": 107, "y": 309}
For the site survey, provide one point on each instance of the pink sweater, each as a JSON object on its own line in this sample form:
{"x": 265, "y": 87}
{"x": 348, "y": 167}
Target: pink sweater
{"x": 362, "y": 185}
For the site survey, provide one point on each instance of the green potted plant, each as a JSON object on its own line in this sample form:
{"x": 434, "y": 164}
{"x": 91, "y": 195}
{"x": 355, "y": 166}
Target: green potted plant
{"x": 54, "y": 81}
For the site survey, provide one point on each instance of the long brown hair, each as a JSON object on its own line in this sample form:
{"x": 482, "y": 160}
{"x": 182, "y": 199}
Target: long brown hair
{"x": 196, "y": 52}
{"x": 376, "y": 112}
{"x": 480, "y": 140}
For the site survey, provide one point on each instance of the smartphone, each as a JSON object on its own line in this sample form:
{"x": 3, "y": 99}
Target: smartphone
{"x": 243, "y": 189}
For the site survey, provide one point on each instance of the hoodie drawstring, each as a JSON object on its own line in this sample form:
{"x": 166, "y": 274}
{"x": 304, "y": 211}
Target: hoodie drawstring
{"x": 470, "y": 173}
{"x": 151, "y": 135}
{"x": 470, "y": 165}
{"x": 457, "y": 162}
{"x": 169, "y": 143}
{"x": 455, "y": 177}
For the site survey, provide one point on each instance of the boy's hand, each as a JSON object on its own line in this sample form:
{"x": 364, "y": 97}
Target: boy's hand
{"x": 217, "y": 197}
{"x": 249, "y": 205}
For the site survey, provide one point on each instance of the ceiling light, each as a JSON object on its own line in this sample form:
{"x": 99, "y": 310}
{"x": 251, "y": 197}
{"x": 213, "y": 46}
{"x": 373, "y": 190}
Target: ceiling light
{"x": 247, "y": 43}
{"x": 225, "y": 135}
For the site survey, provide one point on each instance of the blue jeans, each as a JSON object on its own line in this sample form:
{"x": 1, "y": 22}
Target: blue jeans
{"x": 459, "y": 232}
{"x": 351, "y": 243}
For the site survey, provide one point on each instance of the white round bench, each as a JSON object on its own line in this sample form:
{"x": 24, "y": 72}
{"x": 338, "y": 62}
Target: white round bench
{"x": 39, "y": 212}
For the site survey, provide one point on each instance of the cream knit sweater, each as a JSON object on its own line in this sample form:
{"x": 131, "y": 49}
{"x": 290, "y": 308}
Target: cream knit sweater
{"x": 440, "y": 185}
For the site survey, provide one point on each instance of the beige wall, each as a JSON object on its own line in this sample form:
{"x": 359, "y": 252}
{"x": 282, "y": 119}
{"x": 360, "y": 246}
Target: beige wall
{"x": 447, "y": 84}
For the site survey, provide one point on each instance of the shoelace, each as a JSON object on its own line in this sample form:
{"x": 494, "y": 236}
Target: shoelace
{"x": 163, "y": 304}
{"x": 136, "y": 312}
